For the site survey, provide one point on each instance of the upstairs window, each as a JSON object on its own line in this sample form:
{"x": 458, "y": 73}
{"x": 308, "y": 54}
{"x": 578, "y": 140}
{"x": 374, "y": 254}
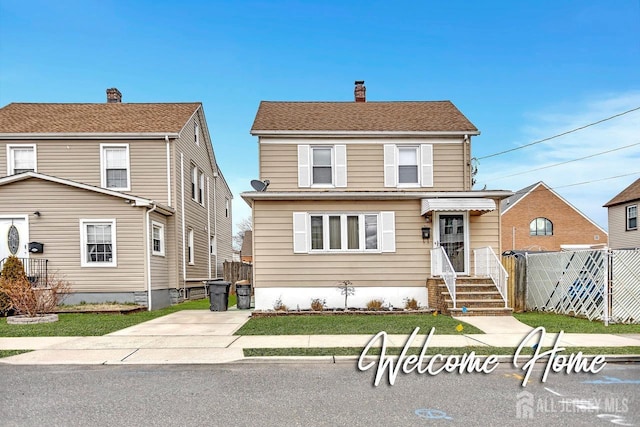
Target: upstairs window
{"x": 194, "y": 182}
{"x": 322, "y": 166}
{"x": 196, "y": 133}
{"x": 541, "y": 227}
{"x": 227, "y": 208}
{"x": 21, "y": 158}
{"x": 114, "y": 161}
{"x": 632, "y": 217}
{"x": 408, "y": 165}
{"x": 201, "y": 192}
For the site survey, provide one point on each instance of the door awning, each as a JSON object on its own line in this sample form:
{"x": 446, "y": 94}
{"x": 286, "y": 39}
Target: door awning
{"x": 469, "y": 204}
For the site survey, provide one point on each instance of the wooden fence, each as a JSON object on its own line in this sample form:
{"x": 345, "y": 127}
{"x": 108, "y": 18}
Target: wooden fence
{"x": 235, "y": 271}
{"x": 516, "y": 267}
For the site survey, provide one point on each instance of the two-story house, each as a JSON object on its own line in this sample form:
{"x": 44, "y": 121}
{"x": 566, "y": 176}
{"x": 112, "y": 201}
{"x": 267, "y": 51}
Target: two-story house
{"x": 125, "y": 200}
{"x": 622, "y": 213}
{"x": 365, "y": 192}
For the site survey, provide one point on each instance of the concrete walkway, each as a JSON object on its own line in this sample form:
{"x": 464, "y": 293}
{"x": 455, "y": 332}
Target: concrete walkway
{"x": 205, "y": 337}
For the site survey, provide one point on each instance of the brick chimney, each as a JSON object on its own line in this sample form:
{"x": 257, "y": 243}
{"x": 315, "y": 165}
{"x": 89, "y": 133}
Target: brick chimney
{"x": 113, "y": 95}
{"x": 360, "y": 91}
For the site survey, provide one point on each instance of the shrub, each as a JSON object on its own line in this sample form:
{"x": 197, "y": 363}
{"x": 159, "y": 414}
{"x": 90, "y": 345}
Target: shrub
{"x": 318, "y": 304}
{"x": 29, "y": 300}
{"x": 12, "y": 271}
{"x": 375, "y": 304}
{"x": 411, "y": 304}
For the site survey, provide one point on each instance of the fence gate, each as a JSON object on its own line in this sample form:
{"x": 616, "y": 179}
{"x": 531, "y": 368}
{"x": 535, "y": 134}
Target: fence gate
{"x": 570, "y": 283}
{"x": 625, "y": 286}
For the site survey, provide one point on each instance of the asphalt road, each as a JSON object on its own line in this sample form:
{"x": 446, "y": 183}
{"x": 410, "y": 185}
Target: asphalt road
{"x": 310, "y": 394}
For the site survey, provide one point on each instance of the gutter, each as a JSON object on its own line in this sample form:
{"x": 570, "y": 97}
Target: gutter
{"x": 89, "y": 135}
{"x": 324, "y": 133}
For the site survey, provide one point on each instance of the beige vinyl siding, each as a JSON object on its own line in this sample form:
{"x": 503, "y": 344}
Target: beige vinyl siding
{"x": 160, "y": 278}
{"x": 79, "y": 160}
{"x": 365, "y": 167}
{"x": 484, "y": 231}
{"x": 61, "y": 208}
{"x": 619, "y": 237}
{"x": 195, "y": 214}
{"x": 224, "y": 231}
{"x": 277, "y": 266}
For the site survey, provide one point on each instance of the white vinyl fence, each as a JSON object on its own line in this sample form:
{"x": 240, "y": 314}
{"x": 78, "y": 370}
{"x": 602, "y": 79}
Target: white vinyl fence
{"x": 596, "y": 284}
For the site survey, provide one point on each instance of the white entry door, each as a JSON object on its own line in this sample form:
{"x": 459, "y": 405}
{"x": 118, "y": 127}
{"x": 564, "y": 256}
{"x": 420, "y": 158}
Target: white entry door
{"x": 451, "y": 232}
{"x": 14, "y": 237}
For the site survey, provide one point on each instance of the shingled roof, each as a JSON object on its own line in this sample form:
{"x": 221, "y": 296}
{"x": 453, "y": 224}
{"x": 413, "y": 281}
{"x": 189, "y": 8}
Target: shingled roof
{"x": 410, "y": 116}
{"x": 95, "y": 118}
{"x": 630, "y": 193}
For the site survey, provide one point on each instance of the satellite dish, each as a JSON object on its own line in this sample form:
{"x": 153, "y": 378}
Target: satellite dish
{"x": 260, "y": 185}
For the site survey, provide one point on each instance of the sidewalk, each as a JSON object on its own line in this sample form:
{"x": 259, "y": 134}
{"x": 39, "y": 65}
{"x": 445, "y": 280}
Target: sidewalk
{"x": 205, "y": 337}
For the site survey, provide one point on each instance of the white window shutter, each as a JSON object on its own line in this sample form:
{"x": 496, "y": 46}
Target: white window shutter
{"x": 390, "y": 166}
{"x": 426, "y": 165}
{"x": 300, "y": 245}
{"x": 304, "y": 167}
{"x": 341, "y": 165}
{"x": 388, "y": 221}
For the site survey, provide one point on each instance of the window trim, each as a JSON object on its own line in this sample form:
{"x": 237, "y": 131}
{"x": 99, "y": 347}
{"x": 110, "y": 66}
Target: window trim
{"x": 545, "y": 227}
{"x": 194, "y": 182}
{"x": 227, "y": 207}
{"x": 332, "y": 152}
{"x": 418, "y": 182}
{"x": 103, "y": 166}
{"x": 11, "y": 159}
{"x": 196, "y": 133}
{"x": 160, "y": 226}
{"x": 627, "y": 217}
{"x": 201, "y": 187}
{"x": 83, "y": 242}
{"x": 362, "y": 243}
{"x": 191, "y": 252}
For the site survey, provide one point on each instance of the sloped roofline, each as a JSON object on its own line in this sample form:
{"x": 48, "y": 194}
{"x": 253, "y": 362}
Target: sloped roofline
{"x": 137, "y": 201}
{"x": 561, "y": 198}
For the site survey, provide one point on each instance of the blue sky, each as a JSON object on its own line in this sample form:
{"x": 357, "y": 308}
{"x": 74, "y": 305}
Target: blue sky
{"x": 520, "y": 71}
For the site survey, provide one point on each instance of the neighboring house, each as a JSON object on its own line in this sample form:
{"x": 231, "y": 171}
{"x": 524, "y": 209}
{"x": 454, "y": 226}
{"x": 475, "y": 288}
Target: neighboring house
{"x": 539, "y": 219}
{"x": 623, "y": 218}
{"x": 362, "y": 191}
{"x": 246, "y": 252}
{"x": 125, "y": 200}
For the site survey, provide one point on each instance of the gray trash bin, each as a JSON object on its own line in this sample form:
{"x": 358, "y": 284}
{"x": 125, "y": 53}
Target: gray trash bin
{"x": 243, "y": 292}
{"x": 218, "y": 295}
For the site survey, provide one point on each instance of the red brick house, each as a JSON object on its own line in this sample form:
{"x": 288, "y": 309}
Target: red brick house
{"x": 537, "y": 218}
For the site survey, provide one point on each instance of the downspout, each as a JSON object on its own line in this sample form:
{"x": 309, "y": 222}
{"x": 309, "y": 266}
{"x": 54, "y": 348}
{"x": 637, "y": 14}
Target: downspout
{"x": 215, "y": 216}
{"x": 209, "y": 223}
{"x": 184, "y": 259}
{"x": 149, "y": 249}
{"x": 166, "y": 138}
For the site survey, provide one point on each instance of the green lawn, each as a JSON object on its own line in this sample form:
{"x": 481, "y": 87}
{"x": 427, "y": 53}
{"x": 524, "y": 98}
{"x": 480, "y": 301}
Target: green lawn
{"x": 557, "y": 322}
{"x": 86, "y": 324}
{"x": 479, "y": 350}
{"x": 353, "y": 324}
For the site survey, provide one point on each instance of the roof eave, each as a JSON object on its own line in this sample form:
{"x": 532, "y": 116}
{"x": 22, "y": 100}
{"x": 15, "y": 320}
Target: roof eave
{"x": 88, "y": 135}
{"x": 373, "y": 133}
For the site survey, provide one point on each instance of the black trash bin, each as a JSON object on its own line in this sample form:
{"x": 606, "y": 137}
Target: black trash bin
{"x": 243, "y": 293}
{"x": 218, "y": 295}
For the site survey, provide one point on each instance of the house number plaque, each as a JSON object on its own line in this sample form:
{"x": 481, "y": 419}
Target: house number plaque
{"x": 13, "y": 239}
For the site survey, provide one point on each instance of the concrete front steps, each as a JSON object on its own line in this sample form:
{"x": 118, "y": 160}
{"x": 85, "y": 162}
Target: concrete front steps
{"x": 478, "y": 295}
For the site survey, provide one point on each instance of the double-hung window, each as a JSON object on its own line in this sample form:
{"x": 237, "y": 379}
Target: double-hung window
{"x": 408, "y": 165}
{"x": 157, "y": 238}
{"x": 197, "y": 184}
{"x": 196, "y": 133}
{"x": 114, "y": 161}
{"x": 322, "y": 165}
{"x": 21, "y": 158}
{"x": 344, "y": 232}
{"x": 190, "y": 248}
{"x": 632, "y": 217}
{"x": 98, "y": 242}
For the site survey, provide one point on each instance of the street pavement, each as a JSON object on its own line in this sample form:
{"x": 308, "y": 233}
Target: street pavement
{"x": 206, "y": 337}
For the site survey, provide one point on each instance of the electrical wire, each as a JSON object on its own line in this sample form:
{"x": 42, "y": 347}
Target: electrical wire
{"x": 559, "y": 135}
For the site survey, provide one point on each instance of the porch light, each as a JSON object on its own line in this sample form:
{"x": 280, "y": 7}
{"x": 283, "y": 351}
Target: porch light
{"x": 426, "y": 232}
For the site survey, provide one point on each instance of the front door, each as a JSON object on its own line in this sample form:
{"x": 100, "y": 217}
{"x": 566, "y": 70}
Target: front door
{"x": 14, "y": 236}
{"x": 451, "y": 232}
